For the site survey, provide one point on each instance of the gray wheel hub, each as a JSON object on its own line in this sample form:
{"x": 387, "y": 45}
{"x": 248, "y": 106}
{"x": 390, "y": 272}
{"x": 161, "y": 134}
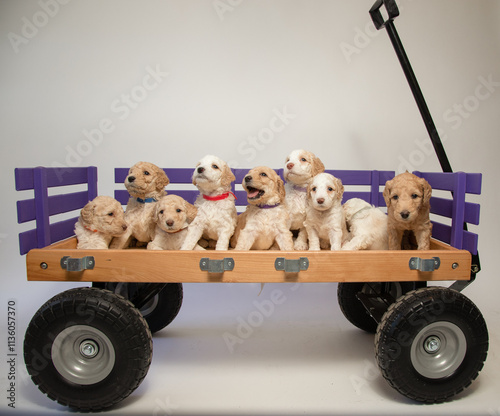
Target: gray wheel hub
{"x": 438, "y": 350}
{"x": 83, "y": 354}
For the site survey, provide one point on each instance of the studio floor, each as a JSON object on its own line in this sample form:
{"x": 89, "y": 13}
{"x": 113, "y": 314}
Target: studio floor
{"x": 287, "y": 351}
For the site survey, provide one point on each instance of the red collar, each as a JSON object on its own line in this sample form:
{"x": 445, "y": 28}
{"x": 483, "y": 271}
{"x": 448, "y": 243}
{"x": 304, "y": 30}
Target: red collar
{"x": 219, "y": 197}
{"x": 90, "y": 229}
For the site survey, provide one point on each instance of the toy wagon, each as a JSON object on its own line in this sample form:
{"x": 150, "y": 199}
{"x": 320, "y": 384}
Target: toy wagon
{"x": 90, "y": 347}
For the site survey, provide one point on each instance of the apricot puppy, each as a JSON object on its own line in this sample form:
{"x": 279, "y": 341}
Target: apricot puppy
{"x": 408, "y": 206}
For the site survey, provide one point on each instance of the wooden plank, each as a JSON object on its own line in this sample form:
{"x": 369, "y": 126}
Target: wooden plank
{"x": 139, "y": 265}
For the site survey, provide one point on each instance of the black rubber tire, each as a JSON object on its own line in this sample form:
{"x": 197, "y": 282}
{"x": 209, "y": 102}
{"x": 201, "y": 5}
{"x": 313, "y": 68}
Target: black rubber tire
{"x": 83, "y": 313}
{"x": 161, "y": 310}
{"x": 353, "y": 309}
{"x": 402, "y": 348}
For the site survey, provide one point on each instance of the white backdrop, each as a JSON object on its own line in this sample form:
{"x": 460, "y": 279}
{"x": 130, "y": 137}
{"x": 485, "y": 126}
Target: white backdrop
{"x": 111, "y": 83}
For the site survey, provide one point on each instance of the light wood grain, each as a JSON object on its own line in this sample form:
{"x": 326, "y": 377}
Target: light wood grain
{"x": 140, "y": 265}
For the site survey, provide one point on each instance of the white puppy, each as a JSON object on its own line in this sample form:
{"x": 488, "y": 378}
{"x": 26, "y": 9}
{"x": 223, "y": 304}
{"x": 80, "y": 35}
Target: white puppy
{"x": 367, "y": 226}
{"x": 325, "y": 218}
{"x": 145, "y": 183}
{"x": 216, "y": 218}
{"x": 100, "y": 220}
{"x": 300, "y": 168}
{"x": 265, "y": 220}
{"x": 172, "y": 215}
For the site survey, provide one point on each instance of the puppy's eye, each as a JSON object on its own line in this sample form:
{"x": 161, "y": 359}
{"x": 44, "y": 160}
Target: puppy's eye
{"x": 330, "y": 188}
{"x": 395, "y": 197}
{"x": 263, "y": 174}
{"x": 178, "y": 210}
{"x": 146, "y": 173}
{"x": 303, "y": 159}
{"x": 111, "y": 214}
{"x": 314, "y": 189}
{"x": 161, "y": 212}
{"x": 414, "y": 196}
{"x": 215, "y": 166}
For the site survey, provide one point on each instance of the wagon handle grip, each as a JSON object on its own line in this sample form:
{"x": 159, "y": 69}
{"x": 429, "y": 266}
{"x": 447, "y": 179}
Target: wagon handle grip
{"x": 376, "y": 14}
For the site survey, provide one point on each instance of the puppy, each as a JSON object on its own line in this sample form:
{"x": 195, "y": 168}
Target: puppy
{"x": 300, "y": 168}
{"x": 408, "y": 206}
{"x": 145, "y": 183}
{"x": 366, "y": 225}
{"x": 172, "y": 215}
{"x": 325, "y": 218}
{"x": 100, "y": 220}
{"x": 216, "y": 218}
{"x": 265, "y": 220}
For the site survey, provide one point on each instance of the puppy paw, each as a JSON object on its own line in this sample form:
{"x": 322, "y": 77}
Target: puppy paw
{"x": 300, "y": 245}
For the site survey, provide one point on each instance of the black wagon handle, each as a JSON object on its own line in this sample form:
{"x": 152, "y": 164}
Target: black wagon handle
{"x": 376, "y": 14}
{"x": 380, "y": 21}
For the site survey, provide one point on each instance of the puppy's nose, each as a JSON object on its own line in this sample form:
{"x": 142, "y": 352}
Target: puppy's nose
{"x": 290, "y": 166}
{"x": 200, "y": 170}
{"x": 131, "y": 178}
{"x": 124, "y": 227}
{"x": 320, "y": 200}
{"x": 170, "y": 223}
{"x": 405, "y": 214}
{"x": 248, "y": 178}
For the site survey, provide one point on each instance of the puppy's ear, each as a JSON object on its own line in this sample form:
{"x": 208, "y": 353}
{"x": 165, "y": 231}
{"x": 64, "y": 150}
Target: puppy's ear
{"x": 280, "y": 189}
{"x": 191, "y": 212}
{"x": 161, "y": 180}
{"x": 340, "y": 188}
{"x": 387, "y": 192}
{"x": 227, "y": 176}
{"x": 87, "y": 213}
{"x": 427, "y": 191}
{"x": 316, "y": 165}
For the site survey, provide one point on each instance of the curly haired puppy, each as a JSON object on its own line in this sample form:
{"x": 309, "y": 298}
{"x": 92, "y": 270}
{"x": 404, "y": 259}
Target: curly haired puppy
{"x": 145, "y": 183}
{"x": 100, "y": 220}
{"x": 265, "y": 220}
{"x": 408, "y": 206}
{"x": 367, "y": 226}
{"x": 325, "y": 218}
{"x": 216, "y": 218}
{"x": 172, "y": 215}
{"x": 301, "y": 167}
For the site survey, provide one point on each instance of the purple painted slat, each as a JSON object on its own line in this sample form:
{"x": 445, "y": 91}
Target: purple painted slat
{"x": 446, "y": 181}
{"x": 57, "y": 204}
{"x": 458, "y": 210}
{"x": 24, "y": 178}
{"x": 122, "y": 196}
{"x": 25, "y": 210}
{"x": 41, "y": 207}
{"x": 441, "y": 232}
{"x": 62, "y": 229}
{"x": 92, "y": 182}
{"x": 54, "y": 177}
{"x": 444, "y": 207}
{"x": 470, "y": 242}
{"x": 474, "y": 182}
{"x": 381, "y": 200}
{"x": 27, "y": 241}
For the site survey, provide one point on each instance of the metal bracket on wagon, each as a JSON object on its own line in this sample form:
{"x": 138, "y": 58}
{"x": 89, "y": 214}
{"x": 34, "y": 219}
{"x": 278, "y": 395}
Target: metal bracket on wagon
{"x": 425, "y": 265}
{"x": 77, "y": 264}
{"x": 216, "y": 266}
{"x": 291, "y": 266}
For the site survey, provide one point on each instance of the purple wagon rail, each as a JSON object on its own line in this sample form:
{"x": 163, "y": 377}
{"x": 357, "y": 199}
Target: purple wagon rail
{"x": 42, "y": 207}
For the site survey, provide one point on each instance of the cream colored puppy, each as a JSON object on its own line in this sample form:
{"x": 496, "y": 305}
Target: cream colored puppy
{"x": 216, "y": 218}
{"x": 265, "y": 220}
{"x": 367, "y": 226}
{"x": 145, "y": 183}
{"x": 325, "y": 218}
{"x": 100, "y": 220}
{"x": 172, "y": 215}
{"x": 301, "y": 167}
